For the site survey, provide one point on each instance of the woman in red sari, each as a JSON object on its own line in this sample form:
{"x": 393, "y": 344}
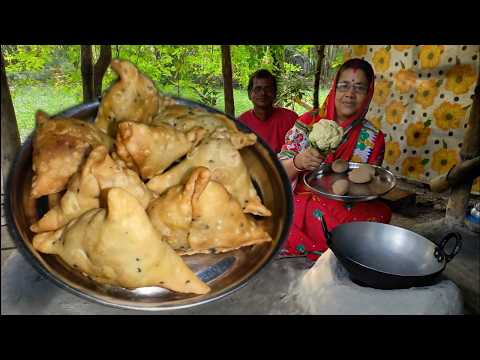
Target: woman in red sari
{"x": 347, "y": 104}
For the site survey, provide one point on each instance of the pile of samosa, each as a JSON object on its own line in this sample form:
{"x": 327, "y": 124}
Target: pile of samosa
{"x": 148, "y": 182}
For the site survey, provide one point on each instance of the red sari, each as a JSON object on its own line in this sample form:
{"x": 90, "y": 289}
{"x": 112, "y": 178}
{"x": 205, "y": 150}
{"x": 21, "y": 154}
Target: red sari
{"x": 364, "y": 143}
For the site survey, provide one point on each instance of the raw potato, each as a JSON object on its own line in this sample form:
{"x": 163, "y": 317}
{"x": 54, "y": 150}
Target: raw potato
{"x": 339, "y": 166}
{"x": 368, "y": 168}
{"x": 360, "y": 175}
{"x": 358, "y": 189}
{"x": 340, "y": 187}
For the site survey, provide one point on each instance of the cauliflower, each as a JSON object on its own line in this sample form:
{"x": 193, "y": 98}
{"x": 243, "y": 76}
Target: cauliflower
{"x": 326, "y": 135}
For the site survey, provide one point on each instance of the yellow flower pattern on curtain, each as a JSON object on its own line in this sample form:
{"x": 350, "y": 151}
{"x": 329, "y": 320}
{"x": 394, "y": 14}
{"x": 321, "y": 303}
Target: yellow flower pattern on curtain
{"x": 422, "y": 101}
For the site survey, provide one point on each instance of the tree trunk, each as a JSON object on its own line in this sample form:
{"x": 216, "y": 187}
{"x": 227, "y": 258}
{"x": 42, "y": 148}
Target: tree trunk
{"x": 10, "y": 135}
{"x": 87, "y": 72}
{"x": 100, "y": 68}
{"x": 316, "y": 85}
{"x": 277, "y": 52}
{"x": 227, "y": 80}
{"x": 458, "y": 201}
{"x": 458, "y": 174}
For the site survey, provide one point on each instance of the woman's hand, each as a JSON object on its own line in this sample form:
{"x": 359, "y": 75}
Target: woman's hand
{"x": 309, "y": 159}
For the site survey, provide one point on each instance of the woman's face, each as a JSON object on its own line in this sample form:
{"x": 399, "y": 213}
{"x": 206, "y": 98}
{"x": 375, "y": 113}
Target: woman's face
{"x": 352, "y": 89}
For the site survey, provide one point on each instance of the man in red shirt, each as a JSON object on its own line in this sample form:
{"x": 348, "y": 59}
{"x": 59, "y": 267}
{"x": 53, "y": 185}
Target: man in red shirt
{"x": 269, "y": 122}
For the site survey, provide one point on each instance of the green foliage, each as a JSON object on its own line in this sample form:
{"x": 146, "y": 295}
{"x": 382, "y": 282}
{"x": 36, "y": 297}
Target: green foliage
{"x": 49, "y": 76}
{"x": 292, "y": 86}
{"x": 206, "y": 91}
{"x": 338, "y": 60}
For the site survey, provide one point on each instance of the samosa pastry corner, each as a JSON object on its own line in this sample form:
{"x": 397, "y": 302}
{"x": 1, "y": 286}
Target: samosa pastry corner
{"x": 227, "y": 167}
{"x": 132, "y": 97}
{"x": 152, "y": 149}
{"x": 99, "y": 173}
{"x": 60, "y": 146}
{"x": 201, "y": 216}
{"x": 119, "y": 246}
{"x": 185, "y": 118}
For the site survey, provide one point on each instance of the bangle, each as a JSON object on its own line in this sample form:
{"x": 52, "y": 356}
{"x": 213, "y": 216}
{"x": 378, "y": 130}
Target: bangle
{"x": 295, "y": 166}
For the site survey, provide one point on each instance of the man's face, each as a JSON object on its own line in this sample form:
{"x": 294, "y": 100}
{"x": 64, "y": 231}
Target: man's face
{"x": 263, "y": 93}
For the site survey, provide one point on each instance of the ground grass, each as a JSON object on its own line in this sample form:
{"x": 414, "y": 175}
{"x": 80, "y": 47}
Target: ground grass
{"x": 53, "y": 99}
{"x": 27, "y": 100}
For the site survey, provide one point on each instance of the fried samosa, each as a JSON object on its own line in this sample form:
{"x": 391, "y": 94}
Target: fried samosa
{"x": 152, "y": 149}
{"x": 132, "y": 97}
{"x": 185, "y": 118}
{"x": 227, "y": 167}
{"x": 99, "y": 173}
{"x": 202, "y": 217}
{"x": 119, "y": 246}
{"x": 60, "y": 146}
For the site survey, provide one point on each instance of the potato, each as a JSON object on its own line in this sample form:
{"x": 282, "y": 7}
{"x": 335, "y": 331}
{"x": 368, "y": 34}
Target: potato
{"x": 369, "y": 168}
{"x": 360, "y": 175}
{"x": 339, "y": 166}
{"x": 340, "y": 187}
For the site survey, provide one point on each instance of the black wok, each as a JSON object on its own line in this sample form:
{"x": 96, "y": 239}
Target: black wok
{"x": 389, "y": 257}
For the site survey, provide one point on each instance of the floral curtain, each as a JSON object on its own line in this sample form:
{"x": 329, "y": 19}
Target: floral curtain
{"x": 422, "y": 101}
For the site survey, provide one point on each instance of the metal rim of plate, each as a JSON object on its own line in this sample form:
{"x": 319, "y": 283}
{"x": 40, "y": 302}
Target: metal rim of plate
{"x": 214, "y": 271}
{"x": 325, "y": 169}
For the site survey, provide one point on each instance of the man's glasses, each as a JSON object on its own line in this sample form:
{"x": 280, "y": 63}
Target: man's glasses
{"x": 265, "y": 89}
{"x": 357, "y": 88}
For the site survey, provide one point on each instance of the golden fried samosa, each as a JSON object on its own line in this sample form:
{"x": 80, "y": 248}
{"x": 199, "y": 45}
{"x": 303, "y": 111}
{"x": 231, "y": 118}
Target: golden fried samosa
{"x": 185, "y": 118}
{"x": 132, "y": 97}
{"x": 227, "y": 167}
{"x": 171, "y": 213}
{"x": 59, "y": 148}
{"x": 119, "y": 246}
{"x": 202, "y": 217}
{"x": 82, "y": 195}
{"x": 113, "y": 173}
{"x": 152, "y": 149}
{"x": 99, "y": 173}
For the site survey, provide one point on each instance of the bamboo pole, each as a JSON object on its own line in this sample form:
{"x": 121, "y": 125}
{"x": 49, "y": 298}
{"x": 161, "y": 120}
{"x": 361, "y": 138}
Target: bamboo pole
{"x": 87, "y": 72}
{"x": 10, "y": 134}
{"x": 320, "y": 55}
{"x": 100, "y": 68}
{"x": 227, "y": 80}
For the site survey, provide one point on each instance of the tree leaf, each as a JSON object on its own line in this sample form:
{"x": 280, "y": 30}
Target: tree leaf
{"x": 445, "y": 146}
{"x": 439, "y": 83}
{"x": 425, "y": 161}
{"x": 403, "y": 65}
{"x": 427, "y": 123}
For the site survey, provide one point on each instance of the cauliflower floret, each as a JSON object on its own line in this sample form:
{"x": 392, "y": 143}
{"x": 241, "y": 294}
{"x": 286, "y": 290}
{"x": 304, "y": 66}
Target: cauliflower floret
{"x": 326, "y": 135}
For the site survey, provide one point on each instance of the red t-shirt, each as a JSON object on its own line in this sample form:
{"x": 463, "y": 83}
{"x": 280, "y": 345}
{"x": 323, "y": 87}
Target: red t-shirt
{"x": 272, "y": 130}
